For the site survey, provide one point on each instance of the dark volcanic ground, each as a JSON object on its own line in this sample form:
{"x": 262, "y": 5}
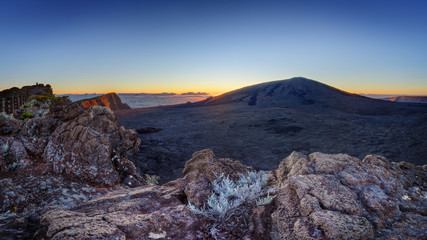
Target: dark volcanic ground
{"x": 262, "y": 136}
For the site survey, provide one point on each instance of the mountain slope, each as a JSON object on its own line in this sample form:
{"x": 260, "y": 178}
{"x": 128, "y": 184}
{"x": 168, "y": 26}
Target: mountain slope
{"x": 301, "y": 93}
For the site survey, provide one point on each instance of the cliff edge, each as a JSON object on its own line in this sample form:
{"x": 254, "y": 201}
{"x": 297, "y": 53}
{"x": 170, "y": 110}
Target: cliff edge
{"x": 110, "y": 100}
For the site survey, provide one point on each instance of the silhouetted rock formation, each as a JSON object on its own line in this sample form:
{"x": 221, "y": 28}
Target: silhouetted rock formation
{"x": 408, "y": 99}
{"x": 11, "y": 99}
{"x": 110, "y": 100}
{"x": 319, "y": 196}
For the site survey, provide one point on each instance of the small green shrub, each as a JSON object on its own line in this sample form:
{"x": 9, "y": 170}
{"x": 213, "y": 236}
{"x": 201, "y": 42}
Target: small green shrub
{"x": 26, "y": 115}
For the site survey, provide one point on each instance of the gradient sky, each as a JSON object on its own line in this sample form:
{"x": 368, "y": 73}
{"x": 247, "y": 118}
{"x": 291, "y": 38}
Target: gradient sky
{"x": 213, "y": 46}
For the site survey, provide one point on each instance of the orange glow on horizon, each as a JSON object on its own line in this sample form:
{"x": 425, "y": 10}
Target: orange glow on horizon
{"x": 216, "y": 92}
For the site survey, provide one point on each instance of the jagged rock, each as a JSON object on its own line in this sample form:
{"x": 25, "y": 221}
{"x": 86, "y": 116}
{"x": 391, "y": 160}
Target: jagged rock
{"x": 65, "y": 158}
{"x": 139, "y": 213}
{"x": 110, "y": 100}
{"x": 8, "y": 124}
{"x": 65, "y": 112}
{"x": 337, "y": 196}
{"x": 341, "y": 226}
{"x": 83, "y": 148}
{"x": 369, "y": 199}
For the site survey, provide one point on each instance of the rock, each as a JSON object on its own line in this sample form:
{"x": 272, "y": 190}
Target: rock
{"x": 8, "y": 124}
{"x": 295, "y": 164}
{"x": 345, "y": 198}
{"x": 352, "y": 201}
{"x": 148, "y": 130}
{"x": 65, "y": 112}
{"x": 341, "y": 226}
{"x": 140, "y": 213}
{"x": 83, "y": 148}
{"x": 65, "y": 158}
{"x": 12, "y": 99}
{"x": 110, "y": 100}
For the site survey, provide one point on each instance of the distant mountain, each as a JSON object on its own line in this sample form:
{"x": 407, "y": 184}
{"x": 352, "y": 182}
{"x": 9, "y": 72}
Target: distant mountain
{"x": 110, "y": 100}
{"x": 408, "y": 99}
{"x": 301, "y": 93}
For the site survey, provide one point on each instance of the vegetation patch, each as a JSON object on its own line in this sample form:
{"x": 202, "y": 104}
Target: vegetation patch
{"x": 44, "y": 98}
{"x": 26, "y": 115}
{"x": 231, "y": 201}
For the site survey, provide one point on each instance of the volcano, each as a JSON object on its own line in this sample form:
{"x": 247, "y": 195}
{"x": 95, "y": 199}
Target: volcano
{"x": 302, "y": 93}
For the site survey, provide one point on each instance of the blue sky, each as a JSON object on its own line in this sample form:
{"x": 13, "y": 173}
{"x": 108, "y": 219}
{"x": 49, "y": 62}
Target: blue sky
{"x": 213, "y": 46}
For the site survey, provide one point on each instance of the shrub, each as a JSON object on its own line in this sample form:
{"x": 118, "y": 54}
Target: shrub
{"x": 152, "y": 179}
{"x": 44, "y": 98}
{"x": 101, "y": 110}
{"x": 230, "y": 198}
{"x": 26, "y": 115}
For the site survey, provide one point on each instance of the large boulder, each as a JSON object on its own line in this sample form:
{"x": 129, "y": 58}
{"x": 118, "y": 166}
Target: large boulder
{"x": 65, "y": 158}
{"x": 138, "y": 213}
{"x": 90, "y": 147}
{"x": 336, "y": 196}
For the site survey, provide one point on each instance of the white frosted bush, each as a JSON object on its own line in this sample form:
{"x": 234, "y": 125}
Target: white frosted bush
{"x": 231, "y": 198}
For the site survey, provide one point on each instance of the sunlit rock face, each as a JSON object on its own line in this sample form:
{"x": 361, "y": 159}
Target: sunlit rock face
{"x": 110, "y": 100}
{"x": 318, "y": 196}
{"x": 408, "y": 99}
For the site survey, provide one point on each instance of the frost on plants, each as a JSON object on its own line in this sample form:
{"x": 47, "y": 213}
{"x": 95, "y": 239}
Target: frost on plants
{"x": 230, "y": 198}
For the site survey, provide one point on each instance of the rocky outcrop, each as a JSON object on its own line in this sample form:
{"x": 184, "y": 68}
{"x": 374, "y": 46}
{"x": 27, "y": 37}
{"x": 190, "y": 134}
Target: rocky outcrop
{"x": 65, "y": 158}
{"x": 11, "y": 99}
{"x": 320, "y": 196}
{"x": 110, "y": 100}
{"x": 325, "y": 196}
{"x": 92, "y": 148}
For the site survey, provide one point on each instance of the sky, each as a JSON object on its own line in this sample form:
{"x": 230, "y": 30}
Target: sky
{"x": 360, "y": 46}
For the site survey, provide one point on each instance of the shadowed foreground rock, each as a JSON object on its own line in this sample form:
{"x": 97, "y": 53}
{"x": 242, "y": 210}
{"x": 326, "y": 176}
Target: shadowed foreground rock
{"x": 320, "y": 196}
{"x": 65, "y": 158}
